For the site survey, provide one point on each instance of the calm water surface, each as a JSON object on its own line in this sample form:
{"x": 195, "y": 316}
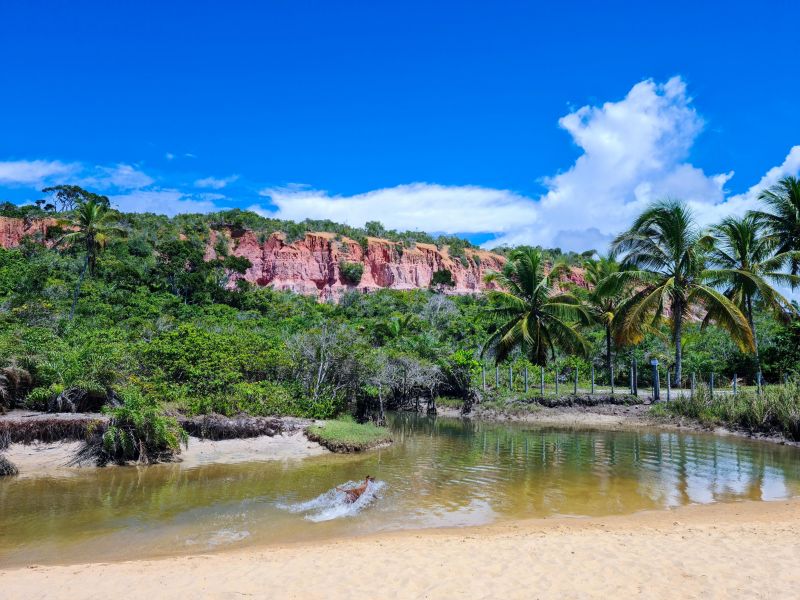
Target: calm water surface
{"x": 440, "y": 472}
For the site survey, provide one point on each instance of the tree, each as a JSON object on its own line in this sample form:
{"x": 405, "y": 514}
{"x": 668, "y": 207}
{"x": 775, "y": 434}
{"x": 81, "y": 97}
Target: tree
{"x": 351, "y": 272}
{"x": 746, "y": 266}
{"x": 442, "y": 277}
{"x": 396, "y": 326}
{"x": 601, "y": 304}
{"x": 664, "y": 262}
{"x": 92, "y": 228}
{"x": 68, "y": 197}
{"x": 783, "y": 220}
{"x": 536, "y": 316}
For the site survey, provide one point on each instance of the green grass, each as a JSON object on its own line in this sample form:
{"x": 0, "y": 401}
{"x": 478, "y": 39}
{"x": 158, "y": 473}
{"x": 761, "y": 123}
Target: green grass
{"x": 345, "y": 435}
{"x": 775, "y": 411}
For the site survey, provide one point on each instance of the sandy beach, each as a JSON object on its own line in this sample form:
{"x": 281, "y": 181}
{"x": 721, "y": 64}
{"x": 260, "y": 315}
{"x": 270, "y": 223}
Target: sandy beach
{"x": 54, "y": 458}
{"x": 746, "y": 549}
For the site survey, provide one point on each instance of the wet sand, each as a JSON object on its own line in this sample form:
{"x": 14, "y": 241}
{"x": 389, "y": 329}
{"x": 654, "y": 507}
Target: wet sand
{"x": 53, "y": 458}
{"x": 733, "y": 550}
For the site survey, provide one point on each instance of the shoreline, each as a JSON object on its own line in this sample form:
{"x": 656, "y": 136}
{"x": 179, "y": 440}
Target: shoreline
{"x": 50, "y": 459}
{"x": 717, "y": 550}
{"x": 610, "y": 417}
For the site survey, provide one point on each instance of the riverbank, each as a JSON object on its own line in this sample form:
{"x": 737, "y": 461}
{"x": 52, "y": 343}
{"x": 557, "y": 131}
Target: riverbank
{"x": 745, "y": 549}
{"x": 52, "y": 459}
{"x": 615, "y": 417}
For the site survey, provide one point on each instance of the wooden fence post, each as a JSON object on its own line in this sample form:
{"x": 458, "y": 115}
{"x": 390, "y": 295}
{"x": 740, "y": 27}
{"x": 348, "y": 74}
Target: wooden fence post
{"x": 541, "y": 381}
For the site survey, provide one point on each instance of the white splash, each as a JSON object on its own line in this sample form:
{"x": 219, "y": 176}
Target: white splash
{"x": 333, "y": 504}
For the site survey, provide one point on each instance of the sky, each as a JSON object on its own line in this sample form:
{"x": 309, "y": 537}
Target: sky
{"x": 505, "y": 122}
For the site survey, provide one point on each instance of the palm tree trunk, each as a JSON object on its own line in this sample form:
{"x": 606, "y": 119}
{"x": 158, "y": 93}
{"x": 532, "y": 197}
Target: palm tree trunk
{"x": 749, "y": 306}
{"x": 677, "y": 334}
{"x": 78, "y": 288}
{"x": 608, "y": 350}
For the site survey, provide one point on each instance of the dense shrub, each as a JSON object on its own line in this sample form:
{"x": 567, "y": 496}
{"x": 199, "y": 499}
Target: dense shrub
{"x": 442, "y": 277}
{"x": 351, "y": 272}
{"x": 138, "y": 431}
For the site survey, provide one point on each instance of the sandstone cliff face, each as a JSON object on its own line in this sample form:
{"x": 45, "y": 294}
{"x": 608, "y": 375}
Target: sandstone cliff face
{"x": 311, "y": 266}
{"x": 13, "y": 230}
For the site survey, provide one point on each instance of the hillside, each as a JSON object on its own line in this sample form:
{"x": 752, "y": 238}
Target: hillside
{"x": 312, "y": 265}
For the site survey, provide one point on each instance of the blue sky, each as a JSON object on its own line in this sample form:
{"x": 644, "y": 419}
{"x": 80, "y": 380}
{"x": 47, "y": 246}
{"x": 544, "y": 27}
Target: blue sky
{"x": 505, "y": 121}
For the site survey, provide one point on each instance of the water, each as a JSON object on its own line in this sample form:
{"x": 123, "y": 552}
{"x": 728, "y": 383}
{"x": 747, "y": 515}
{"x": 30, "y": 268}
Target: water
{"x": 440, "y": 472}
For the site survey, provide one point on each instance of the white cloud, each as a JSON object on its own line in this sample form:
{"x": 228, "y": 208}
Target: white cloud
{"x": 634, "y": 151}
{"x": 121, "y": 176}
{"x": 34, "y": 172}
{"x": 164, "y": 202}
{"x": 421, "y": 206}
{"x": 215, "y": 183}
{"x": 169, "y": 156}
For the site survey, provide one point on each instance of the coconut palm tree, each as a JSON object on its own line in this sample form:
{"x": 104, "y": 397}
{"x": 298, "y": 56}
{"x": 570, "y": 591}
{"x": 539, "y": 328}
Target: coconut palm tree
{"x": 747, "y": 265}
{"x": 538, "y": 316}
{"x": 663, "y": 260}
{"x": 91, "y": 228}
{"x": 782, "y": 218}
{"x": 601, "y": 304}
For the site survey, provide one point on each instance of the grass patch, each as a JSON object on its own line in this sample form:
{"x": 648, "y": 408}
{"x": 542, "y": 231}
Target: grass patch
{"x": 775, "y": 411}
{"x": 345, "y": 435}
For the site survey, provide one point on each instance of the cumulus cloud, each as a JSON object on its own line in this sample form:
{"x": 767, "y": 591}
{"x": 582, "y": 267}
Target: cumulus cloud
{"x": 34, "y": 172}
{"x": 215, "y": 183}
{"x": 633, "y": 151}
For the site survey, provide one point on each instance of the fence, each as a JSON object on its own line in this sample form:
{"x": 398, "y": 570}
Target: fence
{"x": 646, "y": 381}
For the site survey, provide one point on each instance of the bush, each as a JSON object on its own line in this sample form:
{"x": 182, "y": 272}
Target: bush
{"x": 351, "y": 272}
{"x": 7, "y": 468}
{"x": 138, "y": 431}
{"x": 442, "y": 277}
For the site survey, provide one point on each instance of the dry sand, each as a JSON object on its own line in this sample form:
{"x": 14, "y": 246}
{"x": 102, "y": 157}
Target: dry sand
{"x": 52, "y": 459}
{"x": 739, "y": 550}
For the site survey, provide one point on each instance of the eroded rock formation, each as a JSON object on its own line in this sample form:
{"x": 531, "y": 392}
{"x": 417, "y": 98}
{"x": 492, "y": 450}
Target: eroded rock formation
{"x": 312, "y": 265}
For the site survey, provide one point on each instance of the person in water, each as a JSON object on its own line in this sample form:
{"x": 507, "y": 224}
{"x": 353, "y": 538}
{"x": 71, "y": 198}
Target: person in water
{"x": 354, "y": 494}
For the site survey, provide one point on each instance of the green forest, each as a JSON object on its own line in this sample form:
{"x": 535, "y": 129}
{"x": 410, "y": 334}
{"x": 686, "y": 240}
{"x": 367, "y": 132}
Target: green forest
{"x": 122, "y": 308}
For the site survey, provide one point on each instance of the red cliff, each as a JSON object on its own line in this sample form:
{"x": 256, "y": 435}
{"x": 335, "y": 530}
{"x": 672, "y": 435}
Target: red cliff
{"x": 13, "y": 230}
{"x": 311, "y": 265}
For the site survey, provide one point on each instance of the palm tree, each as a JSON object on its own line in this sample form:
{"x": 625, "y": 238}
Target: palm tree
{"x": 601, "y": 304}
{"x": 91, "y": 225}
{"x": 664, "y": 261}
{"x": 783, "y": 220}
{"x": 746, "y": 264}
{"x": 397, "y": 326}
{"x": 537, "y": 315}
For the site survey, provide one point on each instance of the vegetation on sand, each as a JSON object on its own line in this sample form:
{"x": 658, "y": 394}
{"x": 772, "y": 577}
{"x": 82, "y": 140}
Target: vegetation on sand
{"x": 345, "y": 435}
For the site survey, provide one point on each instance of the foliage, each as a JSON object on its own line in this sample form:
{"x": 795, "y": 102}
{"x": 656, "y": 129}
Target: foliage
{"x": 775, "y": 411}
{"x": 534, "y": 315}
{"x": 664, "y": 262}
{"x": 138, "y": 431}
{"x": 157, "y": 319}
{"x": 442, "y": 277}
{"x": 351, "y": 271}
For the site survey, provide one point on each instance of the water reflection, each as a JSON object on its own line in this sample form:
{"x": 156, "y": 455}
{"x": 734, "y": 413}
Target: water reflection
{"x": 441, "y": 472}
